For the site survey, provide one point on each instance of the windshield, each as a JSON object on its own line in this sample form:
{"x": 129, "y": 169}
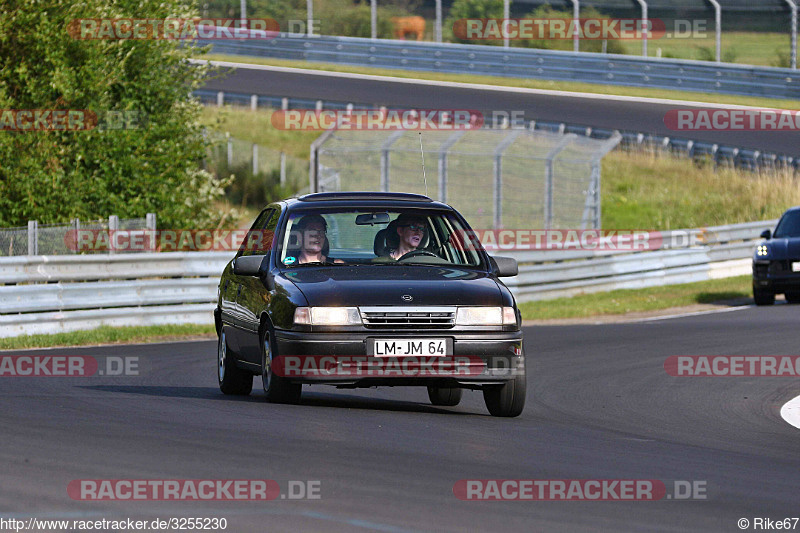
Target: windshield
{"x": 789, "y": 225}
{"x": 376, "y": 237}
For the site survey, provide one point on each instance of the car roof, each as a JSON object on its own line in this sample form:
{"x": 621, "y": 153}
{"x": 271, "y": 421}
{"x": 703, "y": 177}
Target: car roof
{"x": 369, "y": 199}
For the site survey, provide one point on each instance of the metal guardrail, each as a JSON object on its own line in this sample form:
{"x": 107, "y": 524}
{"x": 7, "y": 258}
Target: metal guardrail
{"x": 51, "y": 294}
{"x": 609, "y": 69}
{"x": 718, "y": 154}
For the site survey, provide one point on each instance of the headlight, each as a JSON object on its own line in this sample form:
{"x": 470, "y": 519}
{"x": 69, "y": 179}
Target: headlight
{"x": 327, "y": 316}
{"x": 762, "y": 250}
{"x": 485, "y": 316}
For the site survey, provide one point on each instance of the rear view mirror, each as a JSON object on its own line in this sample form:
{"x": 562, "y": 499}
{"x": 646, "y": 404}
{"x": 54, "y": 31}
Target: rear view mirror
{"x": 506, "y": 266}
{"x": 248, "y": 265}
{"x": 766, "y": 234}
{"x": 370, "y": 219}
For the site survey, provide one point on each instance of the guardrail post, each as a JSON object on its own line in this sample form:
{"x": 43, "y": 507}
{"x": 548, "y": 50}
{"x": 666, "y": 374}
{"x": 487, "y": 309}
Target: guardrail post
{"x": 33, "y": 237}
{"x": 113, "y": 228}
{"x": 284, "y": 104}
{"x": 220, "y": 99}
{"x": 253, "y": 102}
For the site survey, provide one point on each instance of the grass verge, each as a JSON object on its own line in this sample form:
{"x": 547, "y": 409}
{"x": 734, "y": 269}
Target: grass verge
{"x": 637, "y": 300}
{"x": 516, "y": 82}
{"x": 107, "y": 335}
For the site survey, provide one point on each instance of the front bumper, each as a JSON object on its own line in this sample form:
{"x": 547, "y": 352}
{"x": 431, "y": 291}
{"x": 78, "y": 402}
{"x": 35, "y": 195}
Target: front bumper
{"x": 344, "y": 359}
{"x": 775, "y": 276}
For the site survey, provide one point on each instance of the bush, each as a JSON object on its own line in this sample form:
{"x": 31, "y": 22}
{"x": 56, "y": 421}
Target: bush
{"x": 53, "y": 176}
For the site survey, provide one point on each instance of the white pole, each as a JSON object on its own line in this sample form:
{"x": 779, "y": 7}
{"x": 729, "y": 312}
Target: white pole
{"x": 244, "y": 11}
{"x": 718, "y": 23}
{"x": 793, "y": 7}
{"x": 310, "y": 17}
{"x": 645, "y": 30}
{"x": 438, "y": 30}
{"x": 576, "y": 14}
{"x": 506, "y": 16}
{"x": 373, "y": 18}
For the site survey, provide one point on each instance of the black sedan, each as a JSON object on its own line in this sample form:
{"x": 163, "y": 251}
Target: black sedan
{"x": 369, "y": 289}
{"x": 776, "y": 262}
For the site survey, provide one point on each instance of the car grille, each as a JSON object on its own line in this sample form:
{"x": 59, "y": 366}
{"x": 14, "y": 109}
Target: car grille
{"x": 408, "y": 317}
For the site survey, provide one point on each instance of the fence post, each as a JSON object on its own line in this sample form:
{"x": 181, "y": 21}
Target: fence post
{"x": 230, "y": 149}
{"x": 220, "y": 99}
{"x": 33, "y": 237}
{"x": 283, "y": 168}
{"x": 313, "y": 160}
{"x": 373, "y": 18}
{"x": 150, "y": 226}
{"x": 498, "y": 176}
{"x": 253, "y": 102}
{"x": 284, "y": 104}
{"x": 548, "y": 178}
{"x": 437, "y": 32}
{"x": 76, "y": 227}
{"x": 385, "y": 161}
{"x": 793, "y": 8}
{"x": 446, "y": 145}
{"x": 255, "y": 159}
{"x": 113, "y": 228}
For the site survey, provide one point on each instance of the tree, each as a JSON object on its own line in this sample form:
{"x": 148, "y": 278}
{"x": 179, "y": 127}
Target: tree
{"x": 53, "y": 176}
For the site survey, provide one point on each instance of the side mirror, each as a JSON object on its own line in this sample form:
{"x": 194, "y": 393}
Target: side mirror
{"x": 248, "y": 265}
{"x": 506, "y": 266}
{"x": 766, "y": 234}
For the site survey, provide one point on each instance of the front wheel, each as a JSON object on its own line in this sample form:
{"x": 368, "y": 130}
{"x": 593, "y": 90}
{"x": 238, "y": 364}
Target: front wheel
{"x": 232, "y": 379}
{"x": 507, "y": 400}
{"x": 277, "y": 388}
{"x": 445, "y": 396}
{"x": 763, "y": 297}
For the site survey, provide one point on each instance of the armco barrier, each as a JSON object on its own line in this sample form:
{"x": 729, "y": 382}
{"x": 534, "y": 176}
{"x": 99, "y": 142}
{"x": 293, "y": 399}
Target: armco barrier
{"x": 610, "y": 69}
{"x": 51, "y": 294}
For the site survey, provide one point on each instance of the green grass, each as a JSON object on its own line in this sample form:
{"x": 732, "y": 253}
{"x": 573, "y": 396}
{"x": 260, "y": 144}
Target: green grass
{"x": 107, "y": 335}
{"x": 638, "y": 300}
{"x": 518, "y": 82}
{"x": 750, "y": 48}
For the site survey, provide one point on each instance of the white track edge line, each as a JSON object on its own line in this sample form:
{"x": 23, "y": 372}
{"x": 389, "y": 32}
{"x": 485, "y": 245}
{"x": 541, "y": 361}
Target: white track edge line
{"x": 790, "y": 412}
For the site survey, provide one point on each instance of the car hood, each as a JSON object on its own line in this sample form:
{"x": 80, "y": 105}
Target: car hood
{"x": 784, "y": 248}
{"x": 388, "y": 285}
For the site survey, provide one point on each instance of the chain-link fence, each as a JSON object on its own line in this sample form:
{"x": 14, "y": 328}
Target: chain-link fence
{"x": 61, "y": 239}
{"x": 495, "y": 177}
{"x": 256, "y": 158}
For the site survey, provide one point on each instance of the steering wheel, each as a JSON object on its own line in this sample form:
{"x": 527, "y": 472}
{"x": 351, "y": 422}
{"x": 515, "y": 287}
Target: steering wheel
{"x": 415, "y": 253}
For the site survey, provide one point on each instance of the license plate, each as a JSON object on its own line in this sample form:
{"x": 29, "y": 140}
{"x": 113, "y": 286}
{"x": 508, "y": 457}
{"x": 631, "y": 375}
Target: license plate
{"x": 403, "y": 347}
{"x": 796, "y": 267}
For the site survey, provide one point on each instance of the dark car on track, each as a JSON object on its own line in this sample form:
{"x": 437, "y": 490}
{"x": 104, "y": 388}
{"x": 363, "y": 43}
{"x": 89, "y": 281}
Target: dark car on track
{"x": 369, "y": 289}
{"x": 776, "y": 262}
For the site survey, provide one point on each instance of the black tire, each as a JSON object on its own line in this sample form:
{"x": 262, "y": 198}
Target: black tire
{"x": 762, "y": 297}
{"x": 445, "y": 396}
{"x": 507, "y": 400}
{"x": 232, "y": 379}
{"x": 792, "y": 297}
{"x": 277, "y": 389}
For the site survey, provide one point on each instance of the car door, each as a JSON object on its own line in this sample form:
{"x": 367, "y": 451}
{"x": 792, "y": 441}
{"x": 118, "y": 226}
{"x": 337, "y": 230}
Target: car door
{"x": 253, "y": 296}
{"x": 231, "y": 289}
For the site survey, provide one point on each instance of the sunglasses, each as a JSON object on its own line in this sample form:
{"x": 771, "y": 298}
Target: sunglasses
{"x": 415, "y": 227}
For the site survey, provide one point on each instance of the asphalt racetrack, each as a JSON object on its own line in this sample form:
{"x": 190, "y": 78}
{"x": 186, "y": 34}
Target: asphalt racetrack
{"x": 600, "y": 406}
{"x": 586, "y": 109}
